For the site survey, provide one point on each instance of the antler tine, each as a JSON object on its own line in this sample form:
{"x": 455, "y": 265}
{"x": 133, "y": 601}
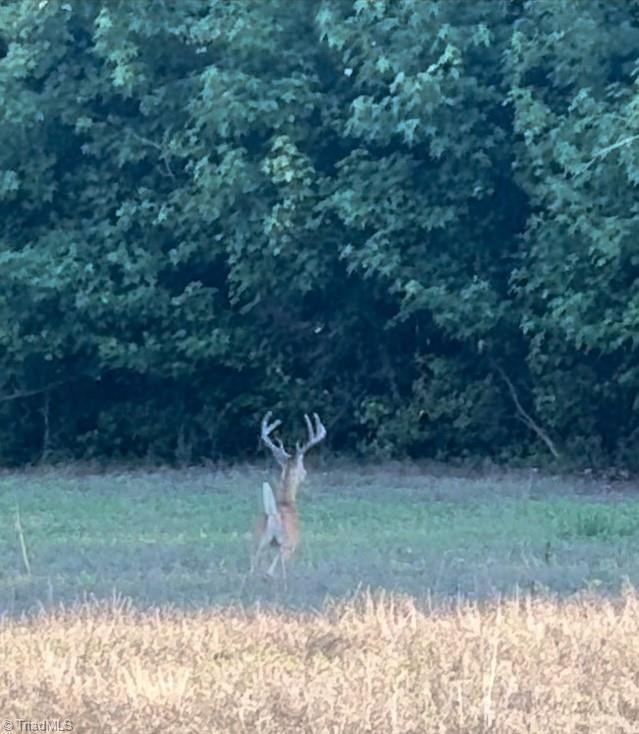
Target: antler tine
{"x": 277, "y": 449}
{"x": 320, "y": 431}
{"x": 316, "y": 433}
{"x": 275, "y": 424}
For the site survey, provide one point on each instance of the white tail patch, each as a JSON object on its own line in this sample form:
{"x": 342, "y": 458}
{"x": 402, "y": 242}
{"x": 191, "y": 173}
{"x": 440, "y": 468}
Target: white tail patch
{"x": 268, "y": 498}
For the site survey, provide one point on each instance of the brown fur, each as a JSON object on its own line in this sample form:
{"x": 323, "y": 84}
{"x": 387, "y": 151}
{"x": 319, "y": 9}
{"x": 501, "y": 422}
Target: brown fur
{"x": 278, "y": 527}
{"x": 293, "y": 474}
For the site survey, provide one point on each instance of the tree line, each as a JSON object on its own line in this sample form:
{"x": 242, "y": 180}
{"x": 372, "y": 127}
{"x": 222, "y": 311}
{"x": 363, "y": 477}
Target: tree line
{"x": 418, "y": 218}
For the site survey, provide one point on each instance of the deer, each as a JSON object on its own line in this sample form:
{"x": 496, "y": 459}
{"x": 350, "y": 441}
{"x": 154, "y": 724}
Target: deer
{"x": 278, "y": 525}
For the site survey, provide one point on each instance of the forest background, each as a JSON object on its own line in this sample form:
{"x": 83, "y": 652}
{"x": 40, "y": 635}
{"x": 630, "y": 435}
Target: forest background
{"x": 418, "y": 218}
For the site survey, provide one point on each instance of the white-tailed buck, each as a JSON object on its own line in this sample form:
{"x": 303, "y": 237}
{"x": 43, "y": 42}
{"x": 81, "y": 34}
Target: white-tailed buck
{"x": 278, "y": 526}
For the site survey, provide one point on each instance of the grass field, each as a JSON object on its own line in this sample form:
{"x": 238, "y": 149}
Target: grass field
{"x": 183, "y": 538}
{"x": 375, "y": 665}
{"x": 418, "y": 602}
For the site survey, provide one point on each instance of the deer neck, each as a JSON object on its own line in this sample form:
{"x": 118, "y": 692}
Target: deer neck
{"x": 292, "y": 477}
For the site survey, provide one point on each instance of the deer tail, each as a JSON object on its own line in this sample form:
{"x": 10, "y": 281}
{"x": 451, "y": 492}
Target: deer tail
{"x": 268, "y": 498}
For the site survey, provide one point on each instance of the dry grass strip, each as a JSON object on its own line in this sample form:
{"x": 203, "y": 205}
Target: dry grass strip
{"x": 372, "y": 665}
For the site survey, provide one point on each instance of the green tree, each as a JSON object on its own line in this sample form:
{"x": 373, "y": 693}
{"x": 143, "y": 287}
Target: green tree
{"x": 417, "y": 217}
{"x": 573, "y": 69}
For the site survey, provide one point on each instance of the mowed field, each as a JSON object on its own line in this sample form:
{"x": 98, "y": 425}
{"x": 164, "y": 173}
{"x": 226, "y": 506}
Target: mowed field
{"x": 419, "y": 601}
{"x": 184, "y": 537}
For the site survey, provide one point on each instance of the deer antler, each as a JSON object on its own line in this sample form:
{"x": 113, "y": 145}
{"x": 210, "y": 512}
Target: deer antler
{"x": 316, "y": 433}
{"x": 277, "y": 449}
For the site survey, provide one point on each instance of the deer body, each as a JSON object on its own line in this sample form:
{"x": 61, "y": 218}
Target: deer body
{"x": 278, "y": 525}
{"x": 278, "y": 529}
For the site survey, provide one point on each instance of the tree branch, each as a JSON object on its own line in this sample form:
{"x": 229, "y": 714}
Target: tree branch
{"x": 525, "y": 417}
{"x": 35, "y": 391}
{"x": 162, "y": 148}
{"x": 46, "y": 433}
{"x": 603, "y": 152}
{"x": 619, "y": 144}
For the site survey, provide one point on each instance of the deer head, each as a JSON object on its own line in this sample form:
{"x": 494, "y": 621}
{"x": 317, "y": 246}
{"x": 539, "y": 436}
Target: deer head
{"x": 292, "y": 464}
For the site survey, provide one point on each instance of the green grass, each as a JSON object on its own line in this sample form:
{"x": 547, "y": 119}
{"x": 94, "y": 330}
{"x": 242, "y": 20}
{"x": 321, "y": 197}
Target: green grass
{"x": 184, "y": 537}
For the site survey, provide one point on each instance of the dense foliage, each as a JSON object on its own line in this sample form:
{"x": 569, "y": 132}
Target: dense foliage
{"x": 419, "y": 218}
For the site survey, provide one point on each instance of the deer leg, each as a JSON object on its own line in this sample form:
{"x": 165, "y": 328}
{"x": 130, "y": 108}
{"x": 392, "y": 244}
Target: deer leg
{"x": 273, "y": 566}
{"x": 263, "y": 542}
{"x": 283, "y": 562}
